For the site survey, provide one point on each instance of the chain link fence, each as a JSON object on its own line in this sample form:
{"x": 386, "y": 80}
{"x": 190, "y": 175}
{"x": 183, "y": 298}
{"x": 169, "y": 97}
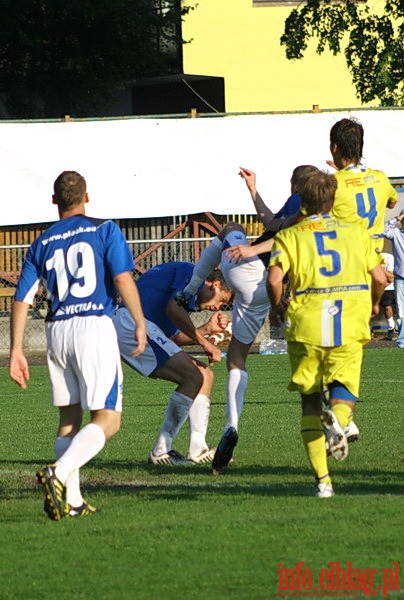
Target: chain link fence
{"x": 153, "y": 252}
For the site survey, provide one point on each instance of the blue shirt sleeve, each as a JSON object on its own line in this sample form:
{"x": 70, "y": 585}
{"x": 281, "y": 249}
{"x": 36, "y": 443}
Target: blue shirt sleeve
{"x": 291, "y": 206}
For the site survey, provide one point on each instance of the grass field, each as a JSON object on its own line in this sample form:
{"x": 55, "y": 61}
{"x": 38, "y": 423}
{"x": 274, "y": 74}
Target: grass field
{"x": 180, "y": 532}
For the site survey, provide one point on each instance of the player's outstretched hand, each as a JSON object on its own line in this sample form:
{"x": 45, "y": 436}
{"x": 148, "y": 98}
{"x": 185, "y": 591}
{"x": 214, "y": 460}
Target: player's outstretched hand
{"x": 249, "y": 178}
{"x": 235, "y": 254}
{"x": 285, "y": 301}
{"x": 19, "y": 370}
{"x": 141, "y": 340}
{"x": 332, "y": 164}
{"x": 213, "y": 353}
{"x": 277, "y": 316}
{"x": 375, "y": 310}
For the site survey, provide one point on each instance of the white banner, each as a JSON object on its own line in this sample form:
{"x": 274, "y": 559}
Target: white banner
{"x": 151, "y": 167}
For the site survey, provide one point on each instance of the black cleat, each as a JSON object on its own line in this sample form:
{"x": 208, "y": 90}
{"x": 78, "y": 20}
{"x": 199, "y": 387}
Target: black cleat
{"x": 55, "y": 492}
{"x": 224, "y": 452}
{"x": 85, "y": 510}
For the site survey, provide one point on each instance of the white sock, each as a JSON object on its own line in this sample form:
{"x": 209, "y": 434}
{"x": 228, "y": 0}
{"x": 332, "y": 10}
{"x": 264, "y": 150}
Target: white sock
{"x": 390, "y": 323}
{"x": 198, "y": 422}
{"x": 237, "y": 381}
{"x": 176, "y": 414}
{"x": 209, "y": 260}
{"x": 73, "y": 493}
{"x": 86, "y": 444}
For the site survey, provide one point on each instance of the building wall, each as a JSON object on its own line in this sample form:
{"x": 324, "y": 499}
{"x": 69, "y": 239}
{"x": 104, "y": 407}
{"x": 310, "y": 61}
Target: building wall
{"x": 240, "y": 42}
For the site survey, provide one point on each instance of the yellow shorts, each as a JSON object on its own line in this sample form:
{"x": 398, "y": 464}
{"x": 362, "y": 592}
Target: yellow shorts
{"x": 315, "y": 367}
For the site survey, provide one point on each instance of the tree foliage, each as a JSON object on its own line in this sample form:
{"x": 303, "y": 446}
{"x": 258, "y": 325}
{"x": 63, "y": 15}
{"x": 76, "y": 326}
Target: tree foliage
{"x": 373, "y": 44}
{"x": 60, "y": 57}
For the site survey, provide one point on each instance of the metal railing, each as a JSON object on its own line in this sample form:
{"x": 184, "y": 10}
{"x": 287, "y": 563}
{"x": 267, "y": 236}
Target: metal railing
{"x": 152, "y": 253}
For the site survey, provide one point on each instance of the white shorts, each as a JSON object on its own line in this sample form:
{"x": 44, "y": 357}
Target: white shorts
{"x": 159, "y": 347}
{"x": 84, "y": 363}
{"x": 251, "y": 303}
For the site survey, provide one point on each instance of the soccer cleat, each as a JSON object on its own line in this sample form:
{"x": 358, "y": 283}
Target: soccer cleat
{"x": 391, "y": 333}
{"x": 224, "y": 451}
{"x": 172, "y": 457}
{"x": 183, "y": 299}
{"x": 203, "y": 458}
{"x": 85, "y": 510}
{"x": 55, "y": 492}
{"x": 351, "y": 434}
{"x": 324, "y": 490}
{"x": 335, "y": 436}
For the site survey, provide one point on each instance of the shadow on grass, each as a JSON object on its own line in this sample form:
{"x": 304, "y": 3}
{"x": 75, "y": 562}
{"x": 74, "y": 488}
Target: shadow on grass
{"x": 153, "y": 482}
{"x": 236, "y": 481}
{"x": 218, "y": 487}
{"x": 220, "y": 404}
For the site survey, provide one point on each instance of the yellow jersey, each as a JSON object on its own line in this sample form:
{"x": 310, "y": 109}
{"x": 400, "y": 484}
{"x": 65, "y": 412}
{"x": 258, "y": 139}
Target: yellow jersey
{"x": 362, "y": 197}
{"x": 328, "y": 262}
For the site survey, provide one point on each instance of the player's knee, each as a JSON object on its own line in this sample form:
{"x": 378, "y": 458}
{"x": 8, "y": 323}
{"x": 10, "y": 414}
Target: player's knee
{"x": 197, "y": 379}
{"x": 208, "y": 377}
{"x": 70, "y": 418}
{"x": 231, "y": 226}
{"x": 340, "y": 392}
{"x": 312, "y": 404}
{"x": 110, "y": 422}
{"x": 191, "y": 378}
{"x": 116, "y": 426}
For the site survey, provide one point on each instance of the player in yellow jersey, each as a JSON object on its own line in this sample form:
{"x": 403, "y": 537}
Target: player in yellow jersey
{"x": 363, "y": 194}
{"x": 336, "y": 282}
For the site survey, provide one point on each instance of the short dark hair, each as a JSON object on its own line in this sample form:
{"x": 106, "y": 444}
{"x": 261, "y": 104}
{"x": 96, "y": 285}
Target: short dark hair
{"x": 348, "y": 135}
{"x": 317, "y": 193}
{"x": 69, "y": 189}
{"x": 217, "y": 275}
{"x": 300, "y": 174}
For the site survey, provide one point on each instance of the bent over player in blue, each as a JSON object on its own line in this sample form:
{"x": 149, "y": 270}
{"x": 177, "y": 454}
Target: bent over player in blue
{"x": 169, "y": 326}
{"x": 82, "y": 263}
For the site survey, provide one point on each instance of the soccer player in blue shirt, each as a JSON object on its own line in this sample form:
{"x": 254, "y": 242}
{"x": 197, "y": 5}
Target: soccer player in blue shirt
{"x": 82, "y": 263}
{"x": 169, "y": 327}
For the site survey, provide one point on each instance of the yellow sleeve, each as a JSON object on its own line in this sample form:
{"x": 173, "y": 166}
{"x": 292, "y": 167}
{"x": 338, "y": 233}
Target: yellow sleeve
{"x": 279, "y": 254}
{"x": 373, "y": 258}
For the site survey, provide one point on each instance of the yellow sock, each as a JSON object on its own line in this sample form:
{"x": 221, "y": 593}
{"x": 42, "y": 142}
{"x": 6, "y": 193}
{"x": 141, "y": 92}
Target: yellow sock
{"x": 343, "y": 412}
{"x": 314, "y": 443}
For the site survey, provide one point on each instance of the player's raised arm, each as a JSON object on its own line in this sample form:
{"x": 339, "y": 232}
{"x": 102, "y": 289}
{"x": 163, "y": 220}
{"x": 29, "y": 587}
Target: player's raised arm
{"x": 264, "y": 213}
